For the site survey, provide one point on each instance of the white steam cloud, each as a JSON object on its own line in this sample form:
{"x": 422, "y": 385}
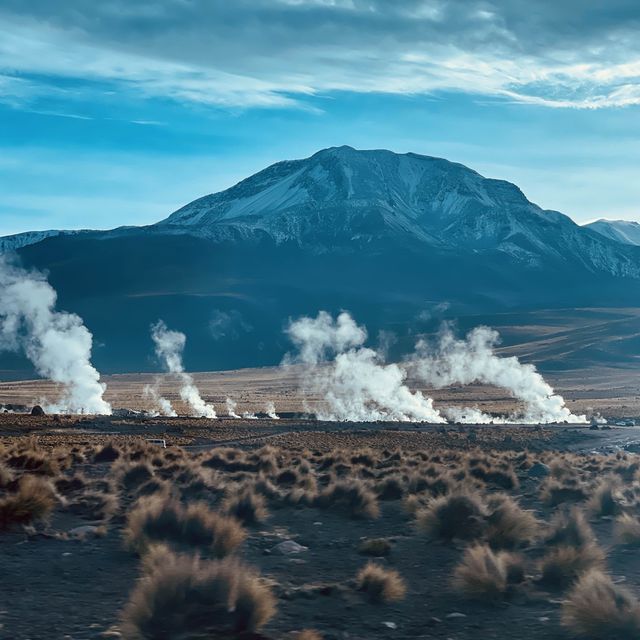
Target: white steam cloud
{"x": 231, "y": 405}
{"x": 56, "y": 342}
{"x": 455, "y": 361}
{"x": 270, "y": 410}
{"x": 169, "y": 348}
{"x": 162, "y": 406}
{"x": 354, "y": 384}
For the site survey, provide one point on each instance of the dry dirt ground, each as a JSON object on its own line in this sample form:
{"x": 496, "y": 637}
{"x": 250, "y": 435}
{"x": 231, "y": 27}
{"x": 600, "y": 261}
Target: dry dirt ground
{"x": 614, "y": 393}
{"x": 56, "y": 585}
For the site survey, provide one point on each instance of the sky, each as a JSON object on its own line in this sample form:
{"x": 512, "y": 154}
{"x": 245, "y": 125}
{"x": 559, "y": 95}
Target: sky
{"x": 117, "y": 112}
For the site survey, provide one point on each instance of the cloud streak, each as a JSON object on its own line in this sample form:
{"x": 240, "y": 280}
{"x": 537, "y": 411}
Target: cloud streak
{"x": 259, "y": 53}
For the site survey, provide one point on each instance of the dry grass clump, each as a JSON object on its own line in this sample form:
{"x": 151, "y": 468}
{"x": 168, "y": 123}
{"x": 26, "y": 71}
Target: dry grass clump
{"x": 183, "y": 596}
{"x": 6, "y": 476}
{"x": 34, "y": 461}
{"x": 352, "y": 496}
{"x": 571, "y": 529}
{"x": 503, "y": 478}
{"x": 246, "y": 505}
{"x": 162, "y": 518}
{"x": 597, "y": 608}
{"x": 508, "y": 525}
{"x": 377, "y": 547}
{"x": 483, "y": 574}
{"x": 563, "y": 565}
{"x": 381, "y": 585}
{"x": 70, "y": 484}
{"x": 607, "y": 498}
{"x": 132, "y": 476}
{"x": 627, "y": 530}
{"x": 456, "y": 515}
{"x": 391, "y": 487}
{"x": 34, "y": 500}
{"x": 554, "y": 493}
{"x": 108, "y": 453}
{"x": 94, "y": 505}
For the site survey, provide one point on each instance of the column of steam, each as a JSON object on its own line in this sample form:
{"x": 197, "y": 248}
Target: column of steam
{"x": 56, "y": 342}
{"x": 169, "y": 346}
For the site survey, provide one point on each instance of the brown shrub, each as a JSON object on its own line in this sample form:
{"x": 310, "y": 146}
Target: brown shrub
{"x": 184, "y": 596}
{"x": 554, "y": 493}
{"x": 503, "y": 478}
{"x": 246, "y": 505}
{"x": 607, "y": 498}
{"x": 132, "y": 476}
{"x": 6, "y": 476}
{"x": 571, "y": 529}
{"x": 34, "y": 500}
{"x": 483, "y": 574}
{"x": 376, "y": 547}
{"x": 34, "y": 461}
{"x": 381, "y": 585}
{"x": 510, "y": 526}
{"x": 627, "y": 530}
{"x": 352, "y": 496}
{"x": 162, "y": 518}
{"x": 562, "y": 565}
{"x": 457, "y": 515}
{"x": 94, "y": 505}
{"x": 391, "y": 488}
{"x": 596, "y": 608}
{"x": 108, "y": 453}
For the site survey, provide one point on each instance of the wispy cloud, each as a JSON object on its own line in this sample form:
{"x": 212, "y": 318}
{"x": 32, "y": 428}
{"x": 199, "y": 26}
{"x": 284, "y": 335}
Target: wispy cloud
{"x": 260, "y": 53}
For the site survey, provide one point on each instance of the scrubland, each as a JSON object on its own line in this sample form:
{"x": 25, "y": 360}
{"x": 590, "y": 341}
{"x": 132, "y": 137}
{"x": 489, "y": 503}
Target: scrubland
{"x": 313, "y": 533}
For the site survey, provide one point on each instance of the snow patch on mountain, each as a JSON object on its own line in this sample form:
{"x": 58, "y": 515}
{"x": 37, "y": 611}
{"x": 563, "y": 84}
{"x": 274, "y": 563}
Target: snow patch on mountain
{"x": 625, "y": 231}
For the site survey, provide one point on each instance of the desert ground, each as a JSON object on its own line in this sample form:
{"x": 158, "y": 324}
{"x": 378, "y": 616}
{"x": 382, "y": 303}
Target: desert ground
{"x": 294, "y": 528}
{"x": 610, "y": 392}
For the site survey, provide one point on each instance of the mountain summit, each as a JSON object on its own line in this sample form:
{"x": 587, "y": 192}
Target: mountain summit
{"x": 342, "y": 197}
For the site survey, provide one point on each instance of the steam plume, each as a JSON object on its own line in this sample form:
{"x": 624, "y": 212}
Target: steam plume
{"x": 169, "y": 348}
{"x": 354, "y": 384}
{"x": 56, "y": 342}
{"x": 231, "y": 408}
{"x": 270, "y": 410}
{"x": 162, "y": 405}
{"x": 473, "y": 359}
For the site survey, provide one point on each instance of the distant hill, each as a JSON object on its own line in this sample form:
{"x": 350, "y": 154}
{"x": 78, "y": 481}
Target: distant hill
{"x": 625, "y": 231}
{"x": 395, "y": 238}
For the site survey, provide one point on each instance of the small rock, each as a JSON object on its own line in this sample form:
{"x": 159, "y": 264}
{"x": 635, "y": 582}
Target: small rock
{"x": 288, "y": 547}
{"x": 83, "y": 531}
{"x": 456, "y": 615}
{"x": 539, "y": 470}
{"x": 37, "y": 411}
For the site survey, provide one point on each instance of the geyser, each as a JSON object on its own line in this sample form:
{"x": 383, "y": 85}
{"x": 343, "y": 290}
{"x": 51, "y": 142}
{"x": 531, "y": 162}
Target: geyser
{"x": 56, "y": 342}
{"x": 352, "y": 380}
{"x": 169, "y": 347}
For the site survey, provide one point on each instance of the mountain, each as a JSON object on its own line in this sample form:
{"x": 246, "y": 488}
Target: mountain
{"x": 625, "y": 231}
{"x": 341, "y": 198}
{"x": 19, "y": 240}
{"x": 395, "y": 238}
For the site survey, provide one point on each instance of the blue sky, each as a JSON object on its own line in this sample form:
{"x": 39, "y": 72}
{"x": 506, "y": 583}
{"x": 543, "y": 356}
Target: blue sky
{"x": 118, "y": 113}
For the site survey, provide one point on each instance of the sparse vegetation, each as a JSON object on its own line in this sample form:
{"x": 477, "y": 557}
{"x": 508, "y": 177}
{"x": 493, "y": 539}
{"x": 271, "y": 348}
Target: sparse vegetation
{"x": 160, "y": 518}
{"x": 187, "y": 595}
{"x": 597, "y": 608}
{"x": 484, "y": 574}
{"x": 381, "y": 585}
